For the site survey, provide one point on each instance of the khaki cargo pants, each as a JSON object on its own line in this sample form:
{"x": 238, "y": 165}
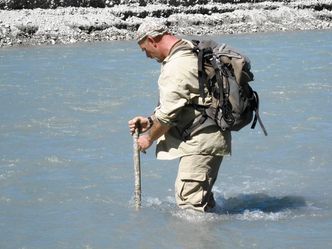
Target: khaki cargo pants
{"x": 194, "y": 182}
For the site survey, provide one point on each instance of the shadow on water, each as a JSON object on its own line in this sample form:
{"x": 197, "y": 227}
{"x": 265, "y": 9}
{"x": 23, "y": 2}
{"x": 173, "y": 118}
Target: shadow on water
{"x": 258, "y": 202}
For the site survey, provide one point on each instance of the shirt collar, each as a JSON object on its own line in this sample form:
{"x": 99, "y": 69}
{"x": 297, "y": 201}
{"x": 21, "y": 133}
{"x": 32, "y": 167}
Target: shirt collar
{"x": 173, "y": 49}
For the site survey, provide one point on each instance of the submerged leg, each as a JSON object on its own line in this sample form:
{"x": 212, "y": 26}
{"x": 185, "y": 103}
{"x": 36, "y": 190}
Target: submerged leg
{"x": 196, "y": 177}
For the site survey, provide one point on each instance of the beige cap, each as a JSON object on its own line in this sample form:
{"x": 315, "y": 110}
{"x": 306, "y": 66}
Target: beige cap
{"x": 150, "y": 27}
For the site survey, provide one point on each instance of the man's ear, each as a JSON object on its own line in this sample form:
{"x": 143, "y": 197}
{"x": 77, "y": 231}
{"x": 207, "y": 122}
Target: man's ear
{"x": 152, "y": 41}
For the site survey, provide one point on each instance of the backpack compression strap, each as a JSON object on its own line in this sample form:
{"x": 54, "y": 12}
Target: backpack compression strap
{"x": 257, "y": 117}
{"x": 202, "y": 76}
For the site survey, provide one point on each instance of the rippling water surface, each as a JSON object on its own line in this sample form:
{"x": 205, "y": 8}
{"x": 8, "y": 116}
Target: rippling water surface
{"x": 66, "y": 170}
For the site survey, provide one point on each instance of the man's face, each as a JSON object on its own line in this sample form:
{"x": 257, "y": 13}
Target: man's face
{"x": 151, "y": 49}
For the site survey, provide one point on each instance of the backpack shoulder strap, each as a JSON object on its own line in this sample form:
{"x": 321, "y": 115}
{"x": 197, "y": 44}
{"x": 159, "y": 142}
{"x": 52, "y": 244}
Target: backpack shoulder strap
{"x": 204, "y": 51}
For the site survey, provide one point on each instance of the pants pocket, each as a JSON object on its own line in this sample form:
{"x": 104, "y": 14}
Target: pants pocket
{"x": 193, "y": 188}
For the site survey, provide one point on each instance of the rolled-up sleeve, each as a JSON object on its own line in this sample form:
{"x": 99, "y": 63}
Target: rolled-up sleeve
{"x": 174, "y": 94}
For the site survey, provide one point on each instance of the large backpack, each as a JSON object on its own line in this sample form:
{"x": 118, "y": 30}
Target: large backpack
{"x": 234, "y": 103}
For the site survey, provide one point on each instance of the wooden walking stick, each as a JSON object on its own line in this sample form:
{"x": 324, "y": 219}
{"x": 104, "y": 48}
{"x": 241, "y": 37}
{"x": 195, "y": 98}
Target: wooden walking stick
{"x": 137, "y": 167}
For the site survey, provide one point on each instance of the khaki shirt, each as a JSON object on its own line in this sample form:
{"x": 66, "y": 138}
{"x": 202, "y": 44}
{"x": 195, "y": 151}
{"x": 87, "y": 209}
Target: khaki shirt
{"x": 178, "y": 88}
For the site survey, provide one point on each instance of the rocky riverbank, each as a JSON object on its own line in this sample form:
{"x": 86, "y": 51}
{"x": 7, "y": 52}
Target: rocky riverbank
{"x": 118, "y": 20}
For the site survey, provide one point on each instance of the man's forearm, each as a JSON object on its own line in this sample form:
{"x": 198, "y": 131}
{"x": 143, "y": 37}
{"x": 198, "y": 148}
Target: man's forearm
{"x": 157, "y": 129}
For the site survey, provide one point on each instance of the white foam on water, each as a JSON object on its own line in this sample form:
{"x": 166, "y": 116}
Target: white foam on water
{"x": 85, "y": 109}
{"x": 197, "y": 217}
{"x": 55, "y": 160}
{"x": 260, "y": 215}
{"x": 166, "y": 204}
{"x": 247, "y": 215}
{"x": 98, "y": 107}
{"x": 8, "y": 168}
{"x": 4, "y": 199}
{"x": 254, "y": 207}
{"x": 7, "y": 174}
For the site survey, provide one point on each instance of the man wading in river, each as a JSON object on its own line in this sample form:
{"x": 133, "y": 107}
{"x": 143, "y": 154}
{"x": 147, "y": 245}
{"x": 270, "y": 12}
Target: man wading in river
{"x": 201, "y": 154}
